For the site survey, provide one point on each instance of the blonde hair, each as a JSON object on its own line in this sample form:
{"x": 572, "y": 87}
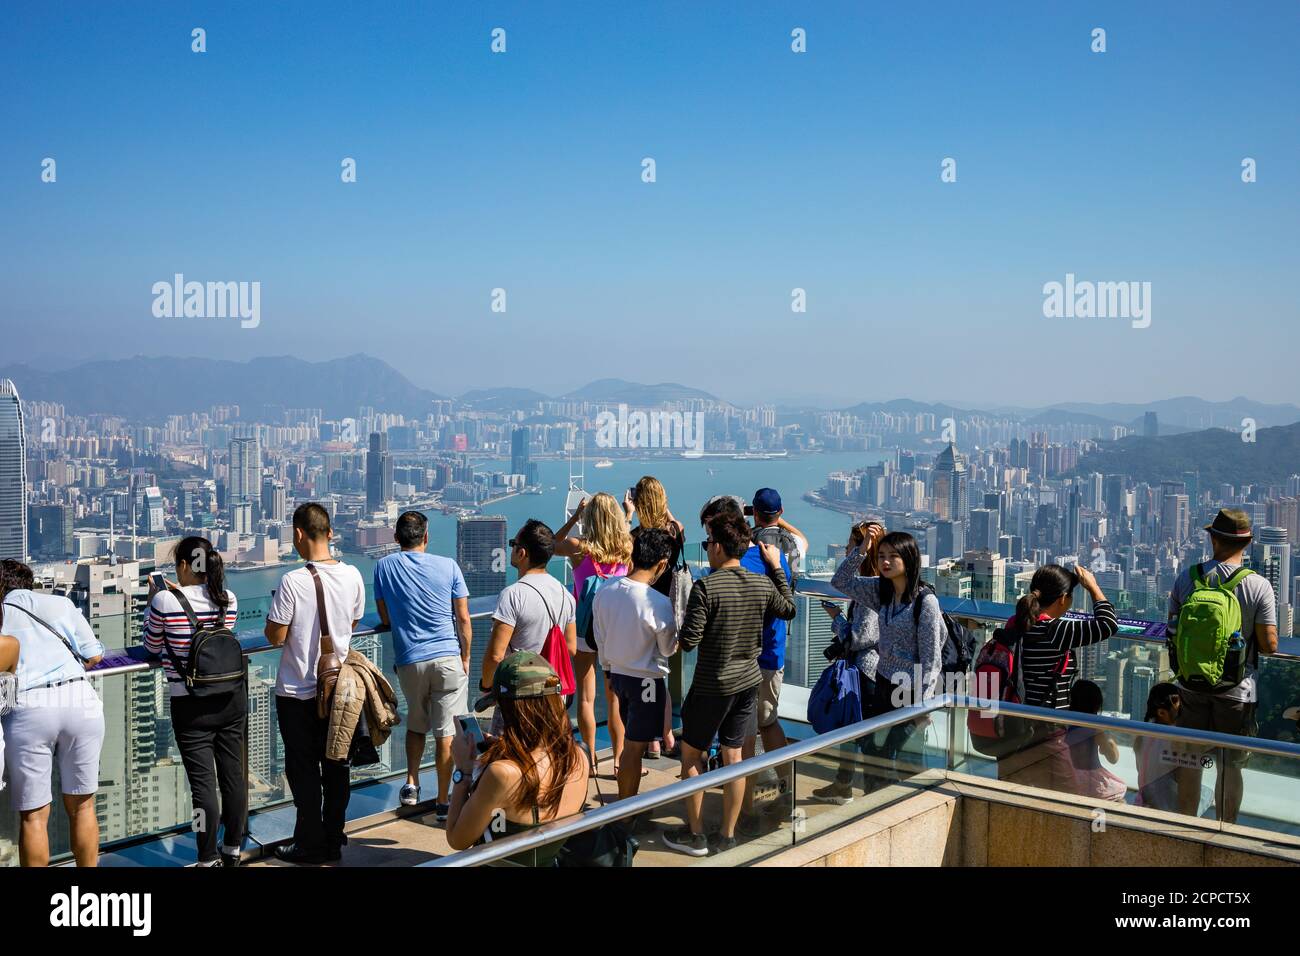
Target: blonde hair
{"x": 608, "y": 539}
{"x": 651, "y": 503}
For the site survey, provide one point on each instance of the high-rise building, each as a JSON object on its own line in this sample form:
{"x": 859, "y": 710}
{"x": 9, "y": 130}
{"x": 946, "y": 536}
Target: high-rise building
{"x": 245, "y": 479}
{"x": 152, "y": 518}
{"x": 948, "y": 485}
{"x": 13, "y": 474}
{"x": 483, "y": 559}
{"x": 49, "y": 532}
{"x": 988, "y": 575}
{"x": 379, "y": 472}
{"x": 1270, "y": 556}
{"x": 985, "y": 529}
{"x": 1174, "y": 518}
{"x": 519, "y": 440}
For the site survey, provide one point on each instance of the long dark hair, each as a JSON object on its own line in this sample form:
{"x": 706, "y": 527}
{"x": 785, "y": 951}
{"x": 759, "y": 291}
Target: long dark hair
{"x": 1161, "y": 696}
{"x": 904, "y": 545}
{"x": 205, "y": 561}
{"x": 1046, "y": 587}
{"x": 530, "y": 725}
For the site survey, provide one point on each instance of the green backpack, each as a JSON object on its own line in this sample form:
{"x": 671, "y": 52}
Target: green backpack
{"x": 1208, "y": 652}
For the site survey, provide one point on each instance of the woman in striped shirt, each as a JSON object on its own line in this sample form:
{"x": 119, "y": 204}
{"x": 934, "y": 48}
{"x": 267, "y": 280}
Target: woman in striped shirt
{"x": 209, "y": 730}
{"x": 1050, "y": 665}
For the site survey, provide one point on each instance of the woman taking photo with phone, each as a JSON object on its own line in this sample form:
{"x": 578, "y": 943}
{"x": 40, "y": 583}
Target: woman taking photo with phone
{"x": 209, "y": 728}
{"x": 857, "y": 632}
{"x": 533, "y": 773}
{"x": 602, "y": 552}
{"x": 910, "y": 624}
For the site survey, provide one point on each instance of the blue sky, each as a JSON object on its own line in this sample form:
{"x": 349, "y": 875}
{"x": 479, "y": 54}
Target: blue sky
{"x": 775, "y": 170}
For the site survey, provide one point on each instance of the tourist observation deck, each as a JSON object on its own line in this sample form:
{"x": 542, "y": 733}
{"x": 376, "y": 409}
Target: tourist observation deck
{"x": 940, "y": 803}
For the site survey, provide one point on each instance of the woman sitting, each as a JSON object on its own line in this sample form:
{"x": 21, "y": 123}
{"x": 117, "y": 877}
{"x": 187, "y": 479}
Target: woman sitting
{"x": 533, "y": 773}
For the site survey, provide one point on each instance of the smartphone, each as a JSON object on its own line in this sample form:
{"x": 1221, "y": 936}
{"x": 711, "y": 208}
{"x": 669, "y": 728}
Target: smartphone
{"x": 749, "y": 511}
{"x": 831, "y": 606}
{"x": 470, "y": 725}
{"x": 159, "y": 582}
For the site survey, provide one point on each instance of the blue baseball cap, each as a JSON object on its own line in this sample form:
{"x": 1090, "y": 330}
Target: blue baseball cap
{"x": 767, "y": 501}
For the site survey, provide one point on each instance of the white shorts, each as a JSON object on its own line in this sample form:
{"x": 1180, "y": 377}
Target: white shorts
{"x": 66, "y": 723}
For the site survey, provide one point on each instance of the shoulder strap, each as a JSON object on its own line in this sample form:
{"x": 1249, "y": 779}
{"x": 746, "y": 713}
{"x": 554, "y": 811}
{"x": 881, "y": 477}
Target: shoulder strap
{"x": 322, "y": 615}
{"x": 188, "y": 608}
{"x": 46, "y": 624}
{"x": 542, "y": 597}
{"x": 1234, "y": 579}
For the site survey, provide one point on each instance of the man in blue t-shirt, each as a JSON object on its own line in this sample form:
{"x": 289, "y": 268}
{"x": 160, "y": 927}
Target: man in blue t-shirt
{"x": 423, "y": 598}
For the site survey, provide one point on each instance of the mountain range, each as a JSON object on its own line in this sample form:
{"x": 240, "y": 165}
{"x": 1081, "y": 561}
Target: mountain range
{"x": 146, "y": 388}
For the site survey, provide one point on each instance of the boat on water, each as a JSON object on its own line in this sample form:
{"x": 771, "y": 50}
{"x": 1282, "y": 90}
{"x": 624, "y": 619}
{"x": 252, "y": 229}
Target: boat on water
{"x": 602, "y": 463}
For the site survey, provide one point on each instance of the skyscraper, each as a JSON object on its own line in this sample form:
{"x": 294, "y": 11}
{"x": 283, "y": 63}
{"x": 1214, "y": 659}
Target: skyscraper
{"x": 482, "y": 556}
{"x": 1271, "y": 557}
{"x": 13, "y": 474}
{"x": 245, "y": 481}
{"x": 379, "y": 472}
{"x": 519, "y": 440}
{"x": 948, "y": 485}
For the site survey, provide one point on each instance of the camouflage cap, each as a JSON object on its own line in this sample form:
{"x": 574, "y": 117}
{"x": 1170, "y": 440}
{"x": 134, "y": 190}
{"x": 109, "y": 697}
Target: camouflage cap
{"x": 521, "y": 675}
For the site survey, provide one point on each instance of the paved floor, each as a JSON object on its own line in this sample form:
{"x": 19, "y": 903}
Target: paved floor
{"x": 418, "y": 839}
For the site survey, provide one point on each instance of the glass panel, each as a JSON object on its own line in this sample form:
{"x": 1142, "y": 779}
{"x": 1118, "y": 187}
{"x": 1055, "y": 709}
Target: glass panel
{"x": 1258, "y": 790}
{"x": 843, "y": 783}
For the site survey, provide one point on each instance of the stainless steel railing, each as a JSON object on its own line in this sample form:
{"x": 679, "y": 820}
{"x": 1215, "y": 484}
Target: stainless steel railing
{"x": 632, "y": 806}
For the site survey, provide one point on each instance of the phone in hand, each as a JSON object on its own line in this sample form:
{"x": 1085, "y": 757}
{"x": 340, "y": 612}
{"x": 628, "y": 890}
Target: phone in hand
{"x": 158, "y": 581}
{"x": 831, "y": 607}
{"x": 469, "y": 724}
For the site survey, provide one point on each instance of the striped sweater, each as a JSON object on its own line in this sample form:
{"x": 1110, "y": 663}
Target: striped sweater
{"x": 724, "y": 619}
{"x": 1047, "y": 646}
{"x": 167, "y": 622}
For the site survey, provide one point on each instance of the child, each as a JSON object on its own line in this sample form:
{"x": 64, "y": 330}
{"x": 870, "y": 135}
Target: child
{"x": 1087, "y": 746}
{"x": 1157, "y": 781}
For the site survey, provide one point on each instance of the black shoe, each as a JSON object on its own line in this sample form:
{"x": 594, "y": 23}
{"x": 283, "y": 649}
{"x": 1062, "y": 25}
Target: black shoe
{"x": 230, "y": 859}
{"x": 293, "y": 853}
{"x": 333, "y": 854}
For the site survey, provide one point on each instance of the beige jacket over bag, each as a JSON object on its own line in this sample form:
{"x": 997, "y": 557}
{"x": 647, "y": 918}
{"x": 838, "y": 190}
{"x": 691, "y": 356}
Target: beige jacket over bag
{"x": 361, "y": 687}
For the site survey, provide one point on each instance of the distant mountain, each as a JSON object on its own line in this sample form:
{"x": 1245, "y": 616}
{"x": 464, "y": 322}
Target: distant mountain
{"x": 152, "y": 388}
{"x": 1193, "y": 413}
{"x": 906, "y": 406}
{"x": 1218, "y": 455}
{"x": 616, "y": 390}
{"x": 502, "y": 399}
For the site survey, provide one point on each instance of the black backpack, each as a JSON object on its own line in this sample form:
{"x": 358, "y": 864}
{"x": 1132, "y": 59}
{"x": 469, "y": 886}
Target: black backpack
{"x": 216, "y": 659}
{"x": 958, "y": 644}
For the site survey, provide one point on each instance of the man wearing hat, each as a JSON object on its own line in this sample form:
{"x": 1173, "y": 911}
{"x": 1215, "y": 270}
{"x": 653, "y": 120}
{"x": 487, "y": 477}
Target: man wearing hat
{"x": 1231, "y": 709}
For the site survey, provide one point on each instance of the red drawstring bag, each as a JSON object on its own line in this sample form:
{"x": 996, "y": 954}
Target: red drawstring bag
{"x": 556, "y": 651}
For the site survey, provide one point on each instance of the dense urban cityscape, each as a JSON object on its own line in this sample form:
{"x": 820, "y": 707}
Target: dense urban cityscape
{"x": 96, "y": 502}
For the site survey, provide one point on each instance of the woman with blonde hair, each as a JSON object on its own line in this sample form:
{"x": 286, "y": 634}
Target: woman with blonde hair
{"x": 648, "y": 503}
{"x": 603, "y": 552}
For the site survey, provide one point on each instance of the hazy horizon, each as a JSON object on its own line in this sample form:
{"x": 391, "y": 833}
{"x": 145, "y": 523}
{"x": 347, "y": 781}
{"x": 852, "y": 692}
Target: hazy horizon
{"x": 775, "y": 171}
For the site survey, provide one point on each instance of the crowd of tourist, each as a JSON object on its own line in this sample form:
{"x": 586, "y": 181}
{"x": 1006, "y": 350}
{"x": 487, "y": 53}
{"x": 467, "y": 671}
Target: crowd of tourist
{"x": 554, "y": 649}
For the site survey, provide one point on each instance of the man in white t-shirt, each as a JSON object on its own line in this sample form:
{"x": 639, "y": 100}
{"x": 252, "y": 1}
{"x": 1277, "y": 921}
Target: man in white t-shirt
{"x": 527, "y": 609}
{"x": 636, "y": 632}
{"x": 320, "y": 787}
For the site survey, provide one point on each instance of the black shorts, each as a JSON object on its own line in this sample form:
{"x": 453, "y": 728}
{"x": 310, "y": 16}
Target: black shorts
{"x": 643, "y": 719}
{"x": 731, "y": 717}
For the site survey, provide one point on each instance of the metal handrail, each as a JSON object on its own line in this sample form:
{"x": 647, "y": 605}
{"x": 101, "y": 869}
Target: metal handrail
{"x": 578, "y": 823}
{"x": 581, "y": 822}
{"x": 483, "y": 607}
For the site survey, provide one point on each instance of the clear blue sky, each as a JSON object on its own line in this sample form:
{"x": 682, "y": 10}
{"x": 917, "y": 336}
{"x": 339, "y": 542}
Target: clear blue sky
{"x": 775, "y": 170}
